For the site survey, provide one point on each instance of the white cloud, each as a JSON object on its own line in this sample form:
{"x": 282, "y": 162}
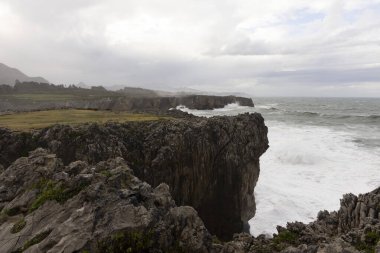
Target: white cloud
{"x": 243, "y": 45}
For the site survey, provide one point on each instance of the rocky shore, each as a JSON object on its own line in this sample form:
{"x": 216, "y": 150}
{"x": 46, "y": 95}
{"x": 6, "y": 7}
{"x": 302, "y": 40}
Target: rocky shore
{"x": 181, "y": 185}
{"x": 50, "y": 207}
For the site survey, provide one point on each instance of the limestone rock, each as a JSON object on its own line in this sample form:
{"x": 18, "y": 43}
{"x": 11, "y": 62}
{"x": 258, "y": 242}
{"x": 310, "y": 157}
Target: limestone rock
{"x": 210, "y": 164}
{"x": 95, "y": 212}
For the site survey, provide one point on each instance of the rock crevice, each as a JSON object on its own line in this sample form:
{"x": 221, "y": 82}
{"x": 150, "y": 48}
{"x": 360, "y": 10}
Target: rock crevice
{"x": 210, "y": 164}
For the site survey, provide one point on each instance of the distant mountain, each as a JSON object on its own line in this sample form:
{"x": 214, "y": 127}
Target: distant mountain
{"x": 9, "y": 76}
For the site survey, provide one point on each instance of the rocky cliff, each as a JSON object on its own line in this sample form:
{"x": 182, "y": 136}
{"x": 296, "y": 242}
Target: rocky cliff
{"x": 125, "y": 103}
{"x": 200, "y": 102}
{"x": 210, "y": 164}
{"x": 354, "y": 228}
{"x": 49, "y": 207}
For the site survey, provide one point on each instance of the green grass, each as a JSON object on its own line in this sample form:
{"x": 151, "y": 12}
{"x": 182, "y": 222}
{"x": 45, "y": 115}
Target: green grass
{"x": 50, "y": 190}
{"x": 36, "y": 97}
{"x": 36, "y": 120}
{"x": 41, "y": 97}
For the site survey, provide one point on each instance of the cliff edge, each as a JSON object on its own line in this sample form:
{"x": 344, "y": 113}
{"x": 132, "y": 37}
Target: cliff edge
{"x": 49, "y": 207}
{"x": 211, "y": 164}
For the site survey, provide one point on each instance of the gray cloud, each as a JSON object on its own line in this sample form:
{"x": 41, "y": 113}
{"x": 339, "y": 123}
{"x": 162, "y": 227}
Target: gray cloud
{"x": 271, "y": 48}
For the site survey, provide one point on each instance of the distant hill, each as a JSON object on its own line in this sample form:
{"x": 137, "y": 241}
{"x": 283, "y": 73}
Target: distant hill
{"x": 9, "y": 76}
{"x": 139, "y": 92}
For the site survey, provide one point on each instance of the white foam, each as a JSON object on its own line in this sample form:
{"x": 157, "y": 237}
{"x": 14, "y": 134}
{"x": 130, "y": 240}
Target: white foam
{"x": 305, "y": 170}
{"x": 230, "y": 109}
{"x": 267, "y": 106}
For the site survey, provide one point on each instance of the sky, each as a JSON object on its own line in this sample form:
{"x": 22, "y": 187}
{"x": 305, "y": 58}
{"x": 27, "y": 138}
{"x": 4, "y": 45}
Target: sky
{"x": 262, "y": 48}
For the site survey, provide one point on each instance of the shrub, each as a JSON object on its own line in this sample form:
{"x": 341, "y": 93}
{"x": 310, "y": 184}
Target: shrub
{"x": 50, "y": 190}
{"x": 18, "y": 226}
{"x": 370, "y": 241}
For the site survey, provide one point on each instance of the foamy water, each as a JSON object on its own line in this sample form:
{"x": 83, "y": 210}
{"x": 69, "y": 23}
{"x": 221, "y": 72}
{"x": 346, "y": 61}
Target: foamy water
{"x": 310, "y": 164}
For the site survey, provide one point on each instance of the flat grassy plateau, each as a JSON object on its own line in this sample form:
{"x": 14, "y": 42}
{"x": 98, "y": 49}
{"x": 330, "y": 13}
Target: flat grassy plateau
{"x": 26, "y": 121}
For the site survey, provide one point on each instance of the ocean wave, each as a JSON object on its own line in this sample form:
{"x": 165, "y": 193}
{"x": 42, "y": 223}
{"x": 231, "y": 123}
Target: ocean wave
{"x": 302, "y": 159}
{"x": 312, "y": 114}
{"x": 272, "y": 107}
{"x": 335, "y": 116}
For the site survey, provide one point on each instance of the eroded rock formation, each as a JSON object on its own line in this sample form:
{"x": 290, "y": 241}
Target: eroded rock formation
{"x": 354, "y": 228}
{"x": 48, "y": 207}
{"x": 210, "y": 164}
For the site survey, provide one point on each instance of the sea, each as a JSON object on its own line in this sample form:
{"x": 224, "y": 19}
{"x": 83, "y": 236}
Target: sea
{"x": 320, "y": 149}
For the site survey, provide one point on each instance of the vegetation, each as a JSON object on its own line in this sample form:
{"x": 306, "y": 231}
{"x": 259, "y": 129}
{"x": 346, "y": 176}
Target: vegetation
{"x": 370, "y": 241}
{"x": 36, "y": 239}
{"x": 127, "y": 242}
{"x": 18, "y": 226}
{"x": 133, "y": 242}
{"x": 216, "y": 240}
{"x": 40, "y": 119}
{"x": 282, "y": 240}
{"x": 106, "y": 173}
{"x": 50, "y": 190}
{"x": 40, "y": 97}
{"x": 3, "y": 217}
{"x": 45, "y": 92}
{"x": 12, "y": 211}
{"x": 285, "y": 237}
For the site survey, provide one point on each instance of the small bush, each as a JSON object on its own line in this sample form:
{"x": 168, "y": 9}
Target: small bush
{"x": 13, "y": 211}
{"x": 285, "y": 237}
{"x": 49, "y": 190}
{"x": 36, "y": 239}
{"x": 370, "y": 241}
{"x": 18, "y": 226}
{"x": 216, "y": 240}
{"x": 127, "y": 242}
{"x": 106, "y": 173}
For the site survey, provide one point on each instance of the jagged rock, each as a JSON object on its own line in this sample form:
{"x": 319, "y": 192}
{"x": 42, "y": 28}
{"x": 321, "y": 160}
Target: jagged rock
{"x": 95, "y": 212}
{"x": 355, "y": 211}
{"x": 210, "y": 164}
{"x": 102, "y": 207}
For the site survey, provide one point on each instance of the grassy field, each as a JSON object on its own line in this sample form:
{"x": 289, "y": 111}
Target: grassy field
{"x": 35, "y": 120}
{"x": 42, "y": 97}
{"x": 48, "y": 97}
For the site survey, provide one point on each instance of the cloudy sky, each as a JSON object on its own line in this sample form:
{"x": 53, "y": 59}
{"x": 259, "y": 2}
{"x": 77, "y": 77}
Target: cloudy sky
{"x": 264, "y": 48}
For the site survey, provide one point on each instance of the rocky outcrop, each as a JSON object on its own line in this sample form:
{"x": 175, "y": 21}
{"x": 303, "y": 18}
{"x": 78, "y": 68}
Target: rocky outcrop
{"x": 355, "y": 227}
{"x": 48, "y": 207}
{"x": 199, "y": 102}
{"x": 210, "y": 164}
{"x": 127, "y": 103}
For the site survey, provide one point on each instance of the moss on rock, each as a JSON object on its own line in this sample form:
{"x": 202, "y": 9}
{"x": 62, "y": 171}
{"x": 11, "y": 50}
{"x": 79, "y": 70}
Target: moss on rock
{"x": 18, "y": 226}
